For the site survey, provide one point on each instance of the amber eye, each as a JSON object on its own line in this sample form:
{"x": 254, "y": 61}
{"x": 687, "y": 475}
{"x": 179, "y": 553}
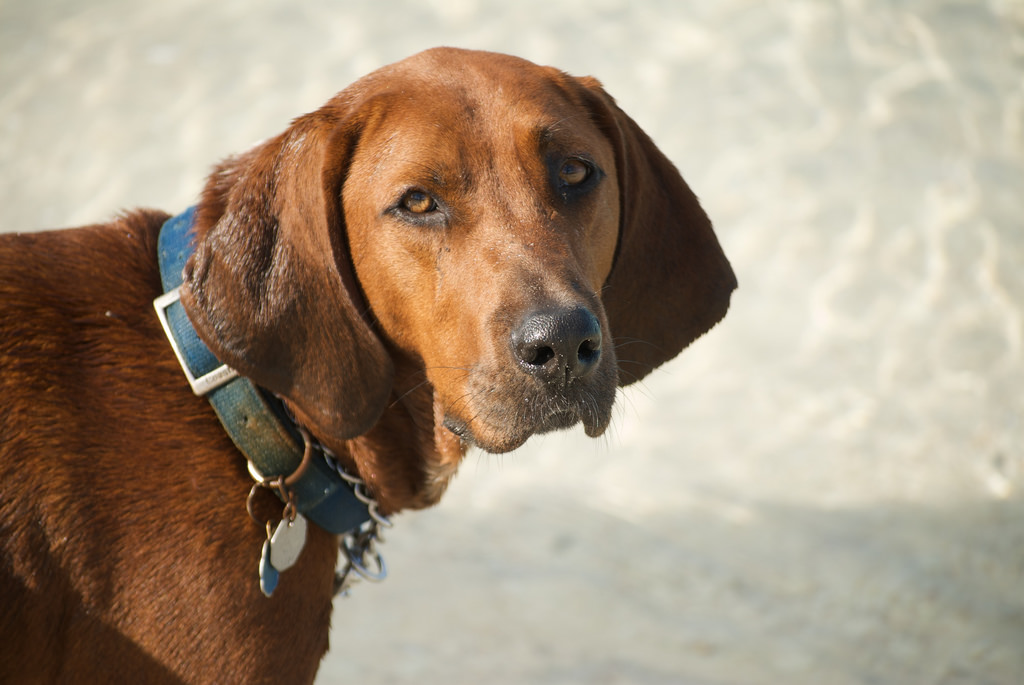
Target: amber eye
{"x": 573, "y": 172}
{"x": 418, "y": 202}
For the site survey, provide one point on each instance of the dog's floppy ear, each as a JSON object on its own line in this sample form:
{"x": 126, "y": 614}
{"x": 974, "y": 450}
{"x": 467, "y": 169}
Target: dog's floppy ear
{"x": 270, "y": 287}
{"x": 670, "y": 282}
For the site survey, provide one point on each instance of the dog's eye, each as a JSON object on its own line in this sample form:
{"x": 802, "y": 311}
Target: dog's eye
{"x": 573, "y": 172}
{"x": 418, "y": 202}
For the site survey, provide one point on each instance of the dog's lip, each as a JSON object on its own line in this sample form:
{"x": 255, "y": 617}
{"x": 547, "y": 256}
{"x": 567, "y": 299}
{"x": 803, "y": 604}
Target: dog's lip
{"x": 594, "y": 425}
{"x": 459, "y": 427}
{"x": 597, "y": 428}
{"x": 557, "y": 420}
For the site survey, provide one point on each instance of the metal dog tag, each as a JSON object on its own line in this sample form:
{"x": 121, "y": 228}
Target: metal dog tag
{"x": 287, "y": 542}
{"x": 268, "y": 574}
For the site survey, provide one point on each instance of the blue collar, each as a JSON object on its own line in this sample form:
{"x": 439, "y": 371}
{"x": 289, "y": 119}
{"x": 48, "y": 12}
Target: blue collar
{"x": 256, "y": 421}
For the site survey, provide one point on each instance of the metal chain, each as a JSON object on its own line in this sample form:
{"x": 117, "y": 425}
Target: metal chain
{"x": 362, "y": 560}
{"x": 359, "y": 546}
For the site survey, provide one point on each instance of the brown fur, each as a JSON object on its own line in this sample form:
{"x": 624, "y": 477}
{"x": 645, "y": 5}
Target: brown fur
{"x": 128, "y": 555}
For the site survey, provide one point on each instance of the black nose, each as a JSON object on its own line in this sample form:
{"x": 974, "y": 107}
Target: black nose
{"x": 560, "y": 345}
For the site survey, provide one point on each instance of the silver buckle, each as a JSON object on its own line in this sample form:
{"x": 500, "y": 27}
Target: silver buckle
{"x": 204, "y": 384}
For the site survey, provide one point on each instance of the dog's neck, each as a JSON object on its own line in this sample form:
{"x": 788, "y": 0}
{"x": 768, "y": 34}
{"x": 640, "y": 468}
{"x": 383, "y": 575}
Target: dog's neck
{"x": 258, "y": 424}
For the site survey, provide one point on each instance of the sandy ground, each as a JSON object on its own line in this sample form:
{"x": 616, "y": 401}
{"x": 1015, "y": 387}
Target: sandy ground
{"x": 827, "y": 489}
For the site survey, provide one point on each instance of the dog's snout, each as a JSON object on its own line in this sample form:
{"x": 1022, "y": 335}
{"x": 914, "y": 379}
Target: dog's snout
{"x": 558, "y": 346}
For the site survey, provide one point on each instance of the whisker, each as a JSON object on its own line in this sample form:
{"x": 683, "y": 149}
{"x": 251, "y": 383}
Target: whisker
{"x": 426, "y": 381}
{"x": 619, "y": 343}
{"x": 454, "y": 402}
{"x": 408, "y": 392}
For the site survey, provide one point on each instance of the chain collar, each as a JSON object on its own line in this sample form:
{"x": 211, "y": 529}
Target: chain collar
{"x": 358, "y": 546}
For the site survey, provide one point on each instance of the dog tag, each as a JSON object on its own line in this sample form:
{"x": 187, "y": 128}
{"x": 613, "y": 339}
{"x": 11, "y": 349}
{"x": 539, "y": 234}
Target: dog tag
{"x": 268, "y": 574}
{"x": 287, "y": 542}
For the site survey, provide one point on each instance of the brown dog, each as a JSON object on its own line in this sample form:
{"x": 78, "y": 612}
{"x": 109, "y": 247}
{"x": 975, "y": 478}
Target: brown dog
{"x": 460, "y": 249}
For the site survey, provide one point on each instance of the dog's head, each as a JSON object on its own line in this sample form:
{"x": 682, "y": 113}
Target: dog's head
{"x": 490, "y": 237}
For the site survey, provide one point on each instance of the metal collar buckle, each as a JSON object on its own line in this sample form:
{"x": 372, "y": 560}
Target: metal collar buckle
{"x": 202, "y": 385}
